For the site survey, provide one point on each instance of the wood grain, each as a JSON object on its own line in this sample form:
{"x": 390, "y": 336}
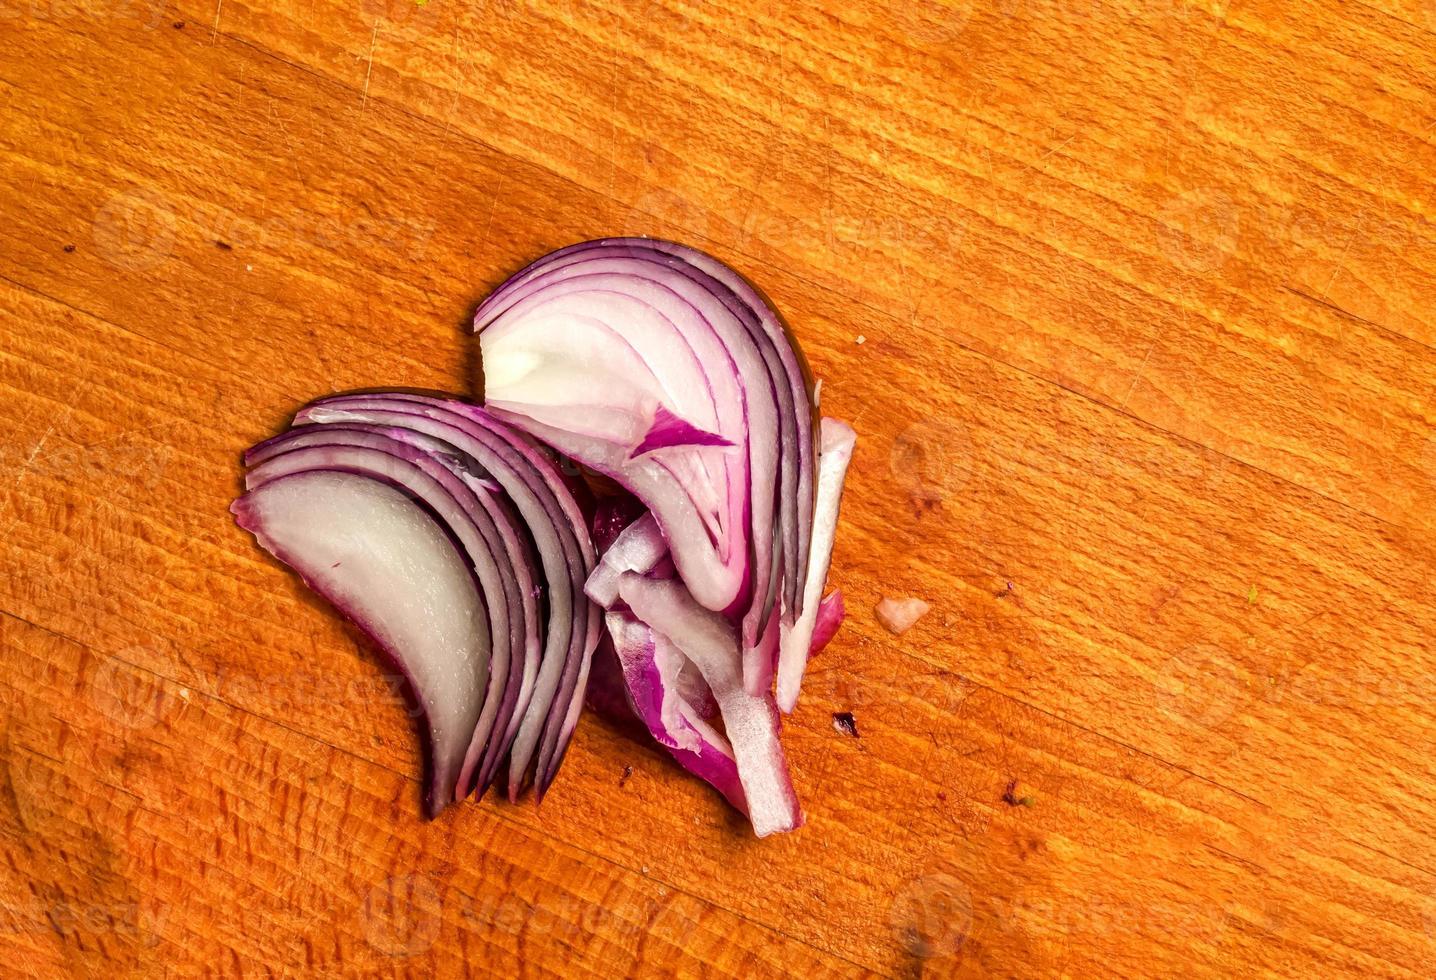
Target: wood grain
{"x": 1144, "y": 397}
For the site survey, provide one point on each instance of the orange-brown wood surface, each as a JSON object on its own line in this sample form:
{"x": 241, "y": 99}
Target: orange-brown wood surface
{"x": 1130, "y": 302}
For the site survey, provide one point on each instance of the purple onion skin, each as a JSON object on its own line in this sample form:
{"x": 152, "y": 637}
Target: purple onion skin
{"x": 831, "y": 613}
{"x": 607, "y": 696}
{"x": 611, "y": 514}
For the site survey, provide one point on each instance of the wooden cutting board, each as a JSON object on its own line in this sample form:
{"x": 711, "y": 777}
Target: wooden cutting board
{"x": 1130, "y": 302}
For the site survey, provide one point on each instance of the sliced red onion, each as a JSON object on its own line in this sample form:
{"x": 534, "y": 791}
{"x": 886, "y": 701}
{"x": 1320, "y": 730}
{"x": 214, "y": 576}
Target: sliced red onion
{"x": 381, "y": 559}
{"x": 700, "y": 310}
{"x": 521, "y": 536}
{"x": 836, "y": 452}
{"x": 800, "y": 385}
{"x": 541, "y": 495}
{"x": 388, "y": 455}
{"x": 787, "y": 379}
{"x": 749, "y": 722}
{"x": 672, "y": 379}
{"x": 652, "y": 681}
{"x": 664, "y": 371}
{"x": 652, "y": 669}
{"x": 554, "y": 345}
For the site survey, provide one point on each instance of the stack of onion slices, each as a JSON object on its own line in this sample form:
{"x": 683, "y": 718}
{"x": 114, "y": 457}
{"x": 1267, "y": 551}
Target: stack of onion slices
{"x": 459, "y": 540}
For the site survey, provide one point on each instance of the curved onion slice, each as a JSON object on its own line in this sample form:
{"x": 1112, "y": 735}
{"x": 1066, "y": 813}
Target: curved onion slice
{"x": 384, "y": 454}
{"x": 547, "y": 507}
{"x": 652, "y": 668}
{"x": 750, "y": 722}
{"x": 787, "y": 373}
{"x": 503, "y": 511}
{"x": 378, "y": 557}
{"x": 700, "y": 364}
{"x": 665, "y": 371}
{"x": 838, "y": 441}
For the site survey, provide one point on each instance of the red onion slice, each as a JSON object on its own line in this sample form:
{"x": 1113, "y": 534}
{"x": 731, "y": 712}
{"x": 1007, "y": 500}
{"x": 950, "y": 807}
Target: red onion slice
{"x": 695, "y": 304}
{"x": 553, "y": 346}
{"x": 380, "y": 559}
{"x": 652, "y": 668}
{"x": 838, "y": 441}
{"x": 536, "y": 488}
{"x": 751, "y": 723}
{"x": 389, "y": 456}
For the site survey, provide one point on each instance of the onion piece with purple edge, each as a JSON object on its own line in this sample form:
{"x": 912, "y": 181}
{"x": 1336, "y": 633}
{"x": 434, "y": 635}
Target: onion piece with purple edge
{"x": 658, "y": 359}
{"x": 835, "y": 453}
{"x": 651, "y": 667}
{"x": 696, "y": 306}
{"x": 831, "y": 612}
{"x": 670, "y": 336}
{"x": 376, "y": 555}
{"x": 650, "y": 680}
{"x": 637, "y": 548}
{"x": 750, "y": 722}
{"x": 783, "y": 357}
{"x": 538, "y": 491}
{"x": 391, "y": 455}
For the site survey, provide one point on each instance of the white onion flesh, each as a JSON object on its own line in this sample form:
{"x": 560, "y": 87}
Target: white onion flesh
{"x": 835, "y": 452}
{"x": 374, "y": 553}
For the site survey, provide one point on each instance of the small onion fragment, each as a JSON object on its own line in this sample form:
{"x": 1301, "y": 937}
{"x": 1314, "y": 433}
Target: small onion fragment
{"x": 899, "y": 615}
{"x": 640, "y": 547}
{"x": 825, "y": 626}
